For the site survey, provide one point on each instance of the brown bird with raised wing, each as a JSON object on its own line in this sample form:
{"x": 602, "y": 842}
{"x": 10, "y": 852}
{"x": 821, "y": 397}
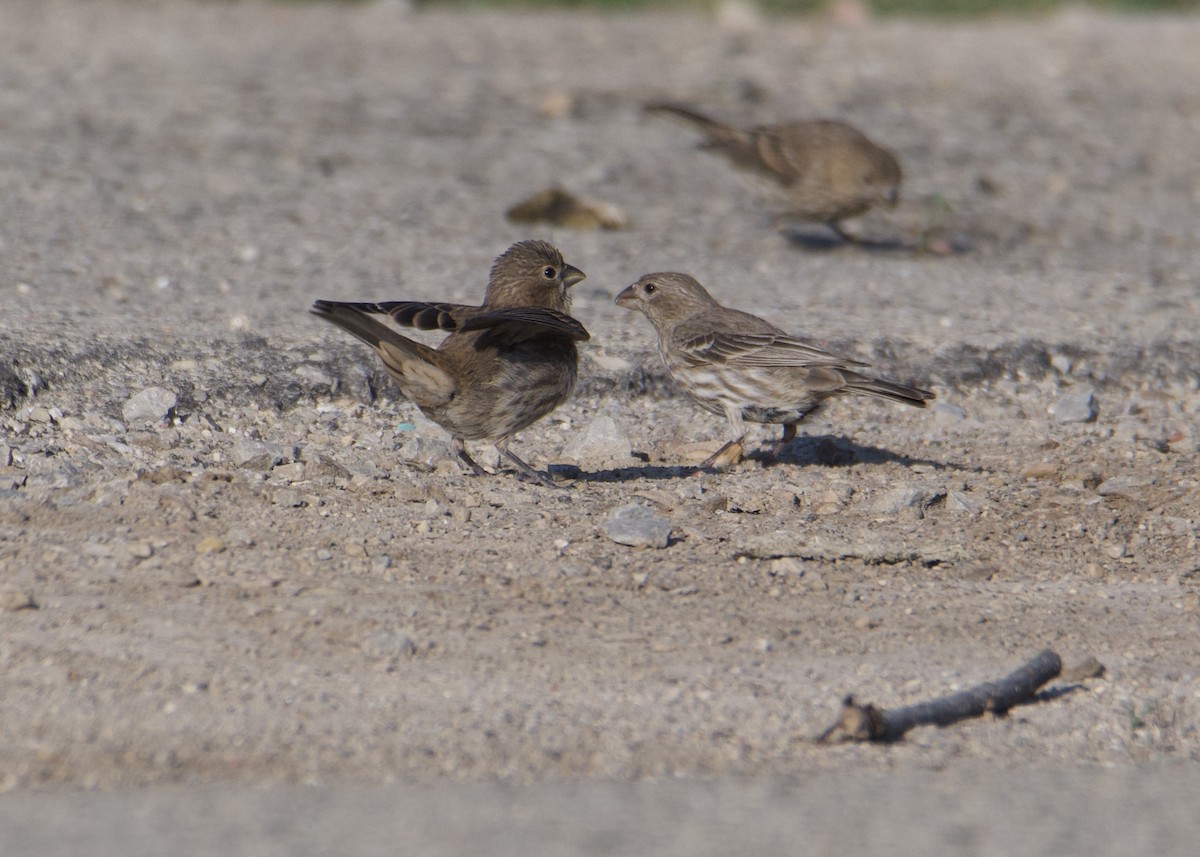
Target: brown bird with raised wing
{"x": 736, "y": 364}
{"x": 829, "y": 171}
{"x": 505, "y": 364}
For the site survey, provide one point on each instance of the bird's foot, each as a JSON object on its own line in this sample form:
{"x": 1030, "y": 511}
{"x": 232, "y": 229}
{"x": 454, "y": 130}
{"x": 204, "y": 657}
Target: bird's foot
{"x": 789, "y": 434}
{"x": 725, "y": 457}
{"x": 460, "y": 449}
{"x": 527, "y": 474}
{"x": 845, "y": 234}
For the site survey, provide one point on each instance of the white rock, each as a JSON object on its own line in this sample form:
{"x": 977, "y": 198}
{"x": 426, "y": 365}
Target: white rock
{"x": 150, "y": 405}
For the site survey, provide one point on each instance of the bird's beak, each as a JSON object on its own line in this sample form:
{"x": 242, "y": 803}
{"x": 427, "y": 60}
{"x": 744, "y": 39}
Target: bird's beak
{"x": 572, "y": 275}
{"x": 627, "y": 298}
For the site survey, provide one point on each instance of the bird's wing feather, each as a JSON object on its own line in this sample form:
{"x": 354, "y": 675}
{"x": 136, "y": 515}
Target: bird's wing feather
{"x": 518, "y": 324}
{"x": 424, "y": 315}
{"x": 776, "y": 157}
{"x": 766, "y": 350}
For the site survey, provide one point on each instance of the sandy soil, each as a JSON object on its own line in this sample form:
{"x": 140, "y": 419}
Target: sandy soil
{"x": 290, "y": 581}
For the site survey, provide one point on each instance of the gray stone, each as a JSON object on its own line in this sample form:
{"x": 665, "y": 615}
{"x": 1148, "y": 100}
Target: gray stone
{"x": 637, "y": 526}
{"x": 913, "y": 497}
{"x": 1121, "y": 486}
{"x": 960, "y": 502}
{"x": 150, "y": 405}
{"x": 386, "y": 643}
{"x": 322, "y": 465}
{"x": 258, "y": 455}
{"x": 425, "y": 453}
{"x": 113, "y": 442}
{"x": 1076, "y": 406}
{"x": 293, "y": 472}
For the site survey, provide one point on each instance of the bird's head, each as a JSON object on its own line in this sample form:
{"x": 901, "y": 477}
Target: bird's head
{"x": 666, "y": 298}
{"x": 531, "y": 273}
{"x": 884, "y": 177}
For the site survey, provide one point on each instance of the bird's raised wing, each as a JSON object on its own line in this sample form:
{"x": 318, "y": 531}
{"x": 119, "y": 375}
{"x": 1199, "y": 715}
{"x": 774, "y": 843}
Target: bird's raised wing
{"x": 423, "y": 315}
{"x": 519, "y": 324}
{"x": 765, "y": 350}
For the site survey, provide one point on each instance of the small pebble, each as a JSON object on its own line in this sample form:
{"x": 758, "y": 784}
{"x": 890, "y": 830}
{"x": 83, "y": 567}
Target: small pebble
{"x": 258, "y": 455}
{"x": 210, "y": 544}
{"x": 12, "y": 600}
{"x": 898, "y": 499}
{"x": 1120, "y": 486}
{"x": 185, "y": 579}
{"x": 141, "y": 550}
{"x": 293, "y": 472}
{"x": 960, "y": 502}
{"x": 786, "y": 566}
{"x": 1061, "y": 363}
{"x": 385, "y": 644}
{"x": 1076, "y": 406}
{"x": 1040, "y": 470}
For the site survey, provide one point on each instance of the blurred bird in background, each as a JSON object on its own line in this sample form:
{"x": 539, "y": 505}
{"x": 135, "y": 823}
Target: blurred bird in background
{"x": 827, "y": 170}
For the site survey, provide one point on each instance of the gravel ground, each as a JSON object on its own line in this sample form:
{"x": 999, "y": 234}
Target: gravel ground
{"x": 268, "y": 571}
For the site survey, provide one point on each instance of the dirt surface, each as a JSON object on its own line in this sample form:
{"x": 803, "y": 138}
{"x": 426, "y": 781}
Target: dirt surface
{"x": 289, "y": 580}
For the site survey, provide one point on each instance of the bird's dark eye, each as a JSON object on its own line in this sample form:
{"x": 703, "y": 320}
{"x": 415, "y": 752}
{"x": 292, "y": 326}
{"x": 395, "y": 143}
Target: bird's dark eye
{"x": 549, "y": 272}
{"x": 650, "y": 288}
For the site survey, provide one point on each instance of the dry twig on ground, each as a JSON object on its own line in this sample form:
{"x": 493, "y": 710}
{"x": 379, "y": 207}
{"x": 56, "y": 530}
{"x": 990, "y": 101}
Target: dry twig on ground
{"x": 868, "y": 723}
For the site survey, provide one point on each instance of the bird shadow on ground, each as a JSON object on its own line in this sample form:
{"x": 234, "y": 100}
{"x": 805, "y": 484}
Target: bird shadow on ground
{"x": 624, "y": 474}
{"x": 825, "y": 242}
{"x": 833, "y": 451}
{"x": 928, "y": 246}
{"x": 819, "y": 451}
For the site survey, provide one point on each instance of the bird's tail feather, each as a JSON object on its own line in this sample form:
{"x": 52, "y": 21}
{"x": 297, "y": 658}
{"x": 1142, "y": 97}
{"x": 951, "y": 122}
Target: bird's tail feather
{"x": 717, "y": 133}
{"x": 882, "y": 389}
{"x": 356, "y": 320}
{"x": 416, "y": 368}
